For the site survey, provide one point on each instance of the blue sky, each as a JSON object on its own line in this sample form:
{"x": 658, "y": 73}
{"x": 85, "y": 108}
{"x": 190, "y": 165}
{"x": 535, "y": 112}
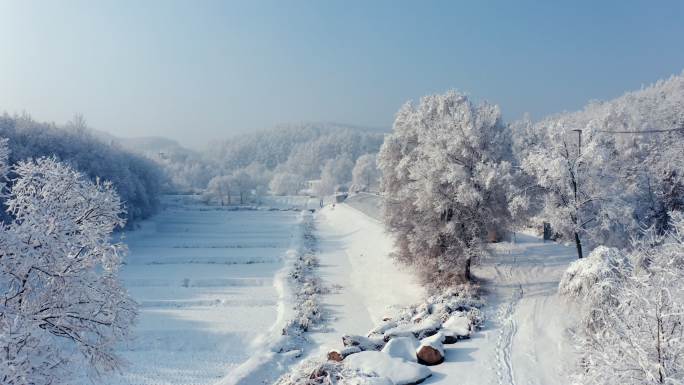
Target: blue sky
{"x": 199, "y": 70}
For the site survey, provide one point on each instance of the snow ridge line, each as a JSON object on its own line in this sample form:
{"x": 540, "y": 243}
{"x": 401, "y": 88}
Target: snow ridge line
{"x": 298, "y": 287}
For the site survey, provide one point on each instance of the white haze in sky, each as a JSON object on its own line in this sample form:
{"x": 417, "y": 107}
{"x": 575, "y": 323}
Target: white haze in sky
{"x": 194, "y": 71}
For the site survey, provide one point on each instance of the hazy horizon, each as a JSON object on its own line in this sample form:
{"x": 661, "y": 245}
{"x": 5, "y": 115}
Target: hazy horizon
{"x": 194, "y": 72}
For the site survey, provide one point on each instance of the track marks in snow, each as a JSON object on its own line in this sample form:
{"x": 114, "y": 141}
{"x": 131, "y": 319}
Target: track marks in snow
{"x": 507, "y": 325}
{"x": 504, "y": 344}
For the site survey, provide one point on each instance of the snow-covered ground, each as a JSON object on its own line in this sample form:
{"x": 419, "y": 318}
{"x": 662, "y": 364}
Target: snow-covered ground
{"x": 524, "y": 341}
{"x": 365, "y": 282}
{"x": 203, "y": 277}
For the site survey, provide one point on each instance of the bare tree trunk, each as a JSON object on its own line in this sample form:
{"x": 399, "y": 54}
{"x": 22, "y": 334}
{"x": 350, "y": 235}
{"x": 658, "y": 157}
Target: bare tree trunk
{"x": 578, "y": 243}
{"x": 466, "y": 273}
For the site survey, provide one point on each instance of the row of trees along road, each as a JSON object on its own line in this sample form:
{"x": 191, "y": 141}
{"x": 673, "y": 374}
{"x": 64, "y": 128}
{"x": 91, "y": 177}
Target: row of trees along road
{"x": 453, "y": 173}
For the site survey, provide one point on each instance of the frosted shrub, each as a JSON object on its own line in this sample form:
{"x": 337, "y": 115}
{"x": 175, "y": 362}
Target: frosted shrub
{"x": 636, "y": 329}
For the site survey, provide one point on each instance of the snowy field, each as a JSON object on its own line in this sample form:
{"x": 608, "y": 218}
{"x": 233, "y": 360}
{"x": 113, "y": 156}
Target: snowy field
{"x": 203, "y": 277}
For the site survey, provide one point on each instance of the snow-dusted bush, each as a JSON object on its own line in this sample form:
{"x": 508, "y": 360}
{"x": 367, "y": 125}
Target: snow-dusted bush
{"x": 318, "y": 372}
{"x": 446, "y": 176}
{"x": 63, "y": 307}
{"x": 597, "y": 277}
{"x": 636, "y": 329}
{"x": 307, "y": 286}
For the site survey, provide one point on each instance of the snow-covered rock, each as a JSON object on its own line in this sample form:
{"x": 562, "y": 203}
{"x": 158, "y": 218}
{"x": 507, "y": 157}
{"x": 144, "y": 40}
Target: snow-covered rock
{"x": 349, "y": 350}
{"x": 431, "y": 350}
{"x": 402, "y": 347}
{"x": 397, "y": 370}
{"x": 335, "y": 355}
{"x": 456, "y": 327}
{"x": 423, "y": 328}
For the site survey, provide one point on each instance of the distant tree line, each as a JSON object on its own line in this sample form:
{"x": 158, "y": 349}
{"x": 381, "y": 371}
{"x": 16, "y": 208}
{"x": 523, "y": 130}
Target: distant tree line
{"x": 282, "y": 160}
{"x": 137, "y": 179}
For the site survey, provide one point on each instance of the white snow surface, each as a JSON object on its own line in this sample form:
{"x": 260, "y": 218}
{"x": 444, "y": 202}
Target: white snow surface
{"x": 457, "y": 325}
{"x": 525, "y": 340}
{"x": 213, "y": 290}
{"x": 397, "y": 370}
{"x": 402, "y": 347}
{"x": 366, "y": 284}
{"x": 204, "y": 279}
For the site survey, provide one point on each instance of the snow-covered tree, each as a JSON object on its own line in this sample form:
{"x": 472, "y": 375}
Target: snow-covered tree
{"x": 219, "y": 190}
{"x": 365, "y": 175}
{"x": 250, "y": 182}
{"x": 63, "y": 307}
{"x": 610, "y": 166}
{"x": 4, "y": 163}
{"x": 335, "y": 172}
{"x": 634, "y": 304}
{"x": 285, "y": 183}
{"x": 446, "y": 177}
{"x": 578, "y": 168}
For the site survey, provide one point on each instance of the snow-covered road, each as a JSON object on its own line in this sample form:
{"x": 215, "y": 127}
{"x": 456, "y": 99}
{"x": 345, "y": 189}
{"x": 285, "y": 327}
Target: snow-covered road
{"x": 525, "y": 339}
{"x": 354, "y": 256}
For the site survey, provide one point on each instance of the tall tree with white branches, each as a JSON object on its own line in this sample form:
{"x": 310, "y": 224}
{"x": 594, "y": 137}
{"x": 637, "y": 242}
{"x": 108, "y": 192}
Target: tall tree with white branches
{"x": 446, "y": 177}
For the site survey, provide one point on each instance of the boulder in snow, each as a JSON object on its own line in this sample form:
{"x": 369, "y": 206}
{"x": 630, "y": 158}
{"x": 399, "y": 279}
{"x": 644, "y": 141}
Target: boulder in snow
{"x": 402, "y": 347}
{"x": 335, "y": 355}
{"x": 424, "y": 328}
{"x": 431, "y": 350}
{"x": 456, "y": 327}
{"x": 397, "y": 370}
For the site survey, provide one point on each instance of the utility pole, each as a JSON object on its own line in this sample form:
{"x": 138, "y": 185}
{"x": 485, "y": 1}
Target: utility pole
{"x": 579, "y": 142}
{"x": 578, "y": 242}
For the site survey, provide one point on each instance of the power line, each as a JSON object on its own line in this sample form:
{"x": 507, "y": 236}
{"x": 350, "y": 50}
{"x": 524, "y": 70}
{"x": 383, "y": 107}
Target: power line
{"x": 642, "y": 132}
